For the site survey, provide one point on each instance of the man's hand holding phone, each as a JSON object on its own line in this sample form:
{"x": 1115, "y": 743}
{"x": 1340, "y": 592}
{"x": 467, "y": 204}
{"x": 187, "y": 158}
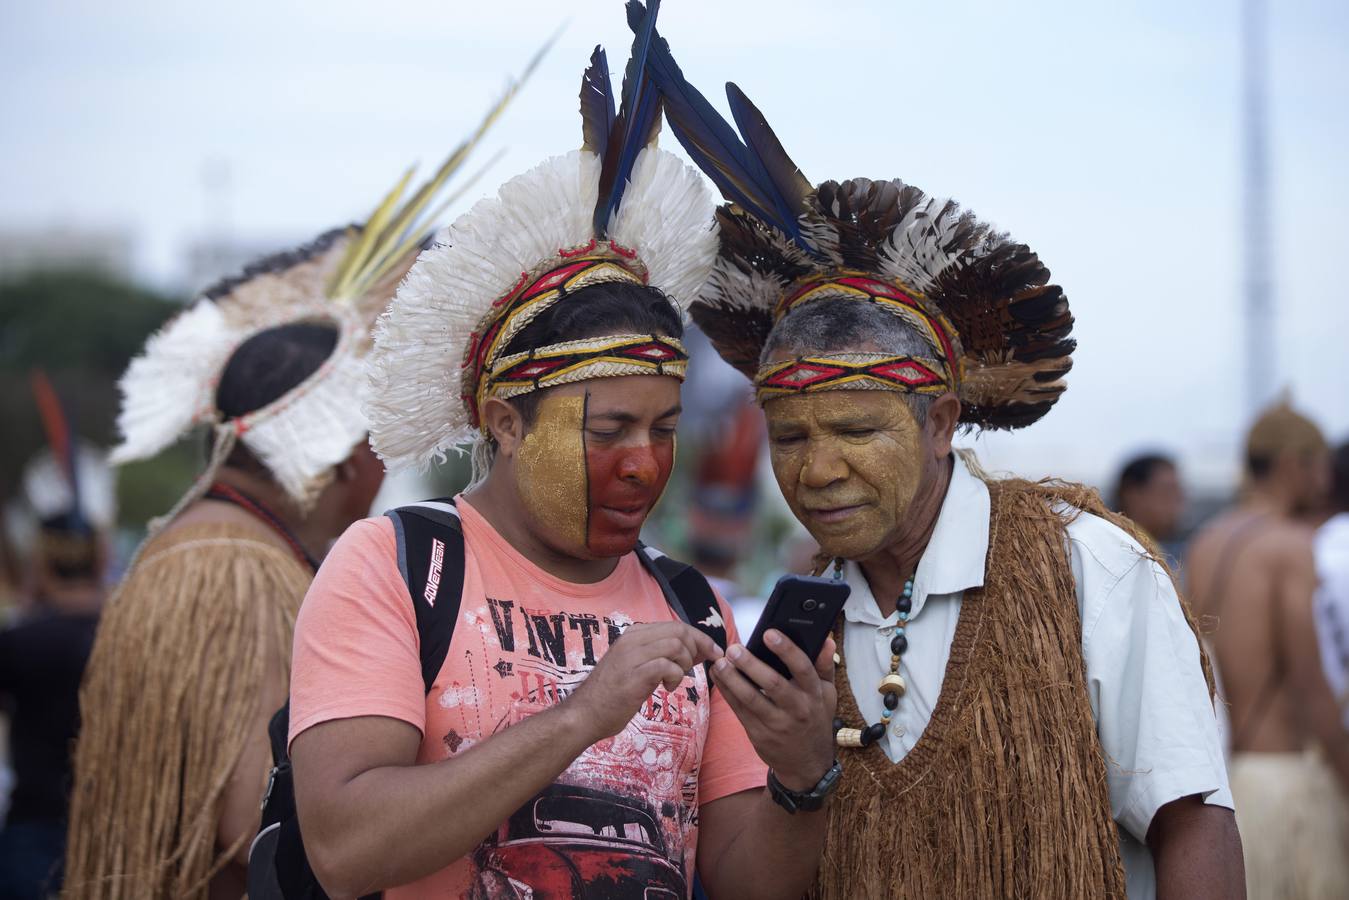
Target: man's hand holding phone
{"x": 789, "y": 720}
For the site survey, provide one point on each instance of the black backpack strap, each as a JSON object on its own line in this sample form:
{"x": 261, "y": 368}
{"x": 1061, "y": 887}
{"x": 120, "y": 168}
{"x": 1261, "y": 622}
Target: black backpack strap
{"x": 278, "y": 728}
{"x": 687, "y": 592}
{"x": 430, "y": 542}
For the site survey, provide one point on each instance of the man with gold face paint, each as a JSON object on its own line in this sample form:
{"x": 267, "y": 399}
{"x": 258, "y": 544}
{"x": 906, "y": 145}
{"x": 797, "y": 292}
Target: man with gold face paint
{"x": 572, "y": 744}
{"x": 1023, "y": 708}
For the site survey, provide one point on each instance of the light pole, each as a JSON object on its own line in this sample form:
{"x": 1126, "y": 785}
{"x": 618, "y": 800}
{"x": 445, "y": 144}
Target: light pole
{"x": 1260, "y": 351}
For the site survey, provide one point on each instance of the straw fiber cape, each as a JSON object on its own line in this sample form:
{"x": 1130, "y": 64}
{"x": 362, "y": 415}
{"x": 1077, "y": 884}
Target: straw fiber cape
{"x": 172, "y": 694}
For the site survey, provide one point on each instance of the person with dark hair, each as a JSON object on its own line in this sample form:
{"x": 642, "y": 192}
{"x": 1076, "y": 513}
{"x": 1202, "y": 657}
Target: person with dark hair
{"x": 192, "y": 657}
{"x": 1023, "y": 708}
{"x": 1149, "y": 494}
{"x": 1252, "y": 573}
{"x": 568, "y": 742}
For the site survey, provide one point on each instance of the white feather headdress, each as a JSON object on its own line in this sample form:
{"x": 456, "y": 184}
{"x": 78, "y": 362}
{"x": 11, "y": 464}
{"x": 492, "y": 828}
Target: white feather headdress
{"x": 420, "y": 373}
{"x": 170, "y": 389}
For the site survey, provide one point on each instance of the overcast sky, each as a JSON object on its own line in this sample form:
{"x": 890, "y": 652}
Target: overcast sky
{"x": 1105, "y": 135}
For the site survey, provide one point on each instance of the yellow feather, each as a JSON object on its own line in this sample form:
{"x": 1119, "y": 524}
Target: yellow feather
{"x": 353, "y": 260}
{"x": 414, "y": 240}
{"x": 388, "y": 236}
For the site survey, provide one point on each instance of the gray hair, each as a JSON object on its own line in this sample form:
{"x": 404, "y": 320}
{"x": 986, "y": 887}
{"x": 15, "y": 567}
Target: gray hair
{"x": 848, "y": 327}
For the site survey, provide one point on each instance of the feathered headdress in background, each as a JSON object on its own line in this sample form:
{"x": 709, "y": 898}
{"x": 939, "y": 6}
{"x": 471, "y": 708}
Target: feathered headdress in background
{"x": 68, "y": 480}
{"x": 345, "y": 277}
{"x": 617, "y": 210}
{"x": 66, "y": 496}
{"x": 998, "y": 332}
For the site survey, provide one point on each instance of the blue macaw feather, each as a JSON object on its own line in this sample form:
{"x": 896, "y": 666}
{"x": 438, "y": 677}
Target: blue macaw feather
{"x": 789, "y": 188}
{"x": 633, "y": 128}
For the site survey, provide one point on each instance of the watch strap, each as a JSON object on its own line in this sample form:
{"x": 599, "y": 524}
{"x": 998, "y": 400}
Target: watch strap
{"x": 807, "y": 801}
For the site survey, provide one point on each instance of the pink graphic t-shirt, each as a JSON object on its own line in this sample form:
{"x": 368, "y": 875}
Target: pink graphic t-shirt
{"x": 622, "y": 820}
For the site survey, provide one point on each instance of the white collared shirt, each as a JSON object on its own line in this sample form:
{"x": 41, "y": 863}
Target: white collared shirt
{"x": 1153, "y": 715}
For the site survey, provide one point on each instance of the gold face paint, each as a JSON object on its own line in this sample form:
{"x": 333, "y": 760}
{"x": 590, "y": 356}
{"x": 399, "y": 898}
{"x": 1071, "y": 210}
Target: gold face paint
{"x": 849, "y": 464}
{"x": 550, "y": 472}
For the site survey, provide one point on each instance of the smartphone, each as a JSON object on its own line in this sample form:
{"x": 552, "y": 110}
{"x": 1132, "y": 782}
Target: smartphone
{"x": 804, "y": 609}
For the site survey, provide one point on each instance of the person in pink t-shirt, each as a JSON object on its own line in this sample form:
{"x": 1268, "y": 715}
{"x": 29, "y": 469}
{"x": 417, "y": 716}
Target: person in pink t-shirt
{"x": 571, "y": 745}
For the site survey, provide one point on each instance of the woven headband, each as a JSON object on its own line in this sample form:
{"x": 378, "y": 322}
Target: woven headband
{"x": 909, "y": 305}
{"x": 571, "y": 361}
{"x": 852, "y": 372}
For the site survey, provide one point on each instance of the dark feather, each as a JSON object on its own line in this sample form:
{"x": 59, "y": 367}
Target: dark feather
{"x": 999, "y": 297}
{"x": 597, "y": 104}
{"x": 1001, "y": 302}
{"x": 737, "y": 334}
{"x": 634, "y": 127}
{"x": 864, "y": 213}
{"x": 753, "y": 245}
{"x": 791, "y": 190}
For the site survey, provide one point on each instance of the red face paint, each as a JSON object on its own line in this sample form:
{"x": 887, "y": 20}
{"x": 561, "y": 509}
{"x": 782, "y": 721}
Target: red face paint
{"x": 625, "y": 481}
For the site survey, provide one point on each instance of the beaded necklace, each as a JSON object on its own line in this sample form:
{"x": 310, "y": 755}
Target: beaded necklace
{"x": 892, "y": 686}
{"x": 223, "y": 492}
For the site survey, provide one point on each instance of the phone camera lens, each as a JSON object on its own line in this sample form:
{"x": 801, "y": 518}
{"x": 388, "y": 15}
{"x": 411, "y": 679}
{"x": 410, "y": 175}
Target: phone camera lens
{"x": 810, "y": 604}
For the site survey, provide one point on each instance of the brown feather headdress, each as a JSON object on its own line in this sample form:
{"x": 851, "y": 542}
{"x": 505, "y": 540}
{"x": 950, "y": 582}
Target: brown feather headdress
{"x": 999, "y": 331}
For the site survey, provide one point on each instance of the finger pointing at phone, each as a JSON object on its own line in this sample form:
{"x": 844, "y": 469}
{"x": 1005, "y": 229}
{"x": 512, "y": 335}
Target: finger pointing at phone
{"x": 788, "y": 720}
{"x": 647, "y": 656}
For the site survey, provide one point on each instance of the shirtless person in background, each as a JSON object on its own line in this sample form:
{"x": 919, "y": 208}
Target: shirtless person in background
{"x": 1251, "y": 580}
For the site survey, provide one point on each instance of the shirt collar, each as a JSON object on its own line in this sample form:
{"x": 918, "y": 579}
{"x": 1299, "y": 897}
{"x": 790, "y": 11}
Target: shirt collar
{"x": 955, "y": 556}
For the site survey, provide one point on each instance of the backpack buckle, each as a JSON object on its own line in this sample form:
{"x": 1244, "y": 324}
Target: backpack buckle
{"x": 271, "y": 783}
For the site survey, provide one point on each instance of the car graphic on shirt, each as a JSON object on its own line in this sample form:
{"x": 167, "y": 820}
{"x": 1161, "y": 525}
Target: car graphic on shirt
{"x": 577, "y": 843}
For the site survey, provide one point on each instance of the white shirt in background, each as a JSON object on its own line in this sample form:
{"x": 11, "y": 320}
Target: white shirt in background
{"x": 1332, "y": 606}
{"x": 1153, "y": 713}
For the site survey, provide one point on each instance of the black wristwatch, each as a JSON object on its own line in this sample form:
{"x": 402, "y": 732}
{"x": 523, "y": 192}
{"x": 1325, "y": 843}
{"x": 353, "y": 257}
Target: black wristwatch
{"x": 792, "y": 801}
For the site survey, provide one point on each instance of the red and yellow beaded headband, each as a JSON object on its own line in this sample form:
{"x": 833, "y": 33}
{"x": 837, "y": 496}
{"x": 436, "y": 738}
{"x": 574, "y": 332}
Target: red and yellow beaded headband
{"x": 853, "y": 372}
{"x": 594, "y": 262}
{"x": 909, "y": 305}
